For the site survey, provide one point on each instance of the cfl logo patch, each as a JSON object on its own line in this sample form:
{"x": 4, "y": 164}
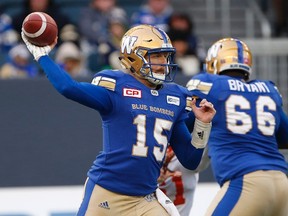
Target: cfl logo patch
{"x": 173, "y": 100}
{"x": 127, "y": 92}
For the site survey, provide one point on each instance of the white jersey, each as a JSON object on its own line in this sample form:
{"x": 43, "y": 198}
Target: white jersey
{"x": 180, "y": 187}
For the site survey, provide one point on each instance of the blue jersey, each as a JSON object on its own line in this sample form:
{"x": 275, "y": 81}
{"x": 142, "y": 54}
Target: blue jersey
{"x": 138, "y": 124}
{"x": 248, "y": 116}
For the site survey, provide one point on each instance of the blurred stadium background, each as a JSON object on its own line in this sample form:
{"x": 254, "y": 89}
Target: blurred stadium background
{"x": 48, "y": 143}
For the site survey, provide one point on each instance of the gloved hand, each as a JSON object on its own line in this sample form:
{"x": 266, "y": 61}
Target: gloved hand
{"x": 167, "y": 204}
{"x": 36, "y": 51}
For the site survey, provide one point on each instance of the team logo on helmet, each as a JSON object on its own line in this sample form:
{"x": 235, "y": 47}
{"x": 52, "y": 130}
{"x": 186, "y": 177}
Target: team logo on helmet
{"x": 128, "y": 44}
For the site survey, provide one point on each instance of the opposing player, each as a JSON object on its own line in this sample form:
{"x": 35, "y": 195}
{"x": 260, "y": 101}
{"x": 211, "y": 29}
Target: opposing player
{"x": 141, "y": 114}
{"x": 243, "y": 144}
{"x": 179, "y": 183}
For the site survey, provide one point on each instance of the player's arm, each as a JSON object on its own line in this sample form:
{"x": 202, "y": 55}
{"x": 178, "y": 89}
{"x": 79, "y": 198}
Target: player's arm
{"x": 84, "y": 93}
{"x": 282, "y": 132}
{"x": 180, "y": 141}
{"x": 205, "y": 161}
{"x": 190, "y": 121}
{"x": 87, "y": 94}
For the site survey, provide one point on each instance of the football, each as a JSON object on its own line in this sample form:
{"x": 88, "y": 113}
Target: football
{"x": 40, "y": 28}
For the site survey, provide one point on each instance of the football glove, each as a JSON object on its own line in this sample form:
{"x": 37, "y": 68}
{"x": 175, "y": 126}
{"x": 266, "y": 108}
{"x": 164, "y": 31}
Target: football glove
{"x": 36, "y": 51}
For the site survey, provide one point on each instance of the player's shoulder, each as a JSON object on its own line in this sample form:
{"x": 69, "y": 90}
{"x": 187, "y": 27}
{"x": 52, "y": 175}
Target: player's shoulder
{"x": 270, "y": 84}
{"x": 273, "y": 89}
{"x": 109, "y": 78}
{"x": 202, "y": 82}
{"x": 177, "y": 89}
{"x": 207, "y": 77}
{"x": 110, "y": 73}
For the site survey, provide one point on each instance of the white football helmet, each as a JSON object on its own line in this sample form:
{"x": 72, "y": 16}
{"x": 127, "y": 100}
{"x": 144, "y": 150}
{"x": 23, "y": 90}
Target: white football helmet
{"x": 229, "y": 54}
{"x": 140, "y": 42}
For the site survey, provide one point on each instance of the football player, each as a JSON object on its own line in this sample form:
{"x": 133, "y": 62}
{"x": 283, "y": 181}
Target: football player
{"x": 243, "y": 146}
{"x": 179, "y": 183}
{"x": 141, "y": 113}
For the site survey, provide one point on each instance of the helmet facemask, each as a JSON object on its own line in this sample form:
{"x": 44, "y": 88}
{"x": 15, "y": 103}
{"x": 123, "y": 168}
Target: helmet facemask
{"x": 153, "y": 77}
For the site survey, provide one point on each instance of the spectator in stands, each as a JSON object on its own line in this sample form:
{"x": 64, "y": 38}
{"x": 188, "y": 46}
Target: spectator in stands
{"x": 8, "y": 36}
{"x": 276, "y": 11}
{"x": 70, "y": 33}
{"x": 153, "y": 12}
{"x": 116, "y": 29}
{"x": 281, "y": 19}
{"x": 94, "y": 31}
{"x": 188, "y": 45}
{"x": 94, "y": 22}
{"x": 70, "y": 58}
{"x": 19, "y": 64}
{"x": 47, "y": 6}
{"x": 186, "y": 58}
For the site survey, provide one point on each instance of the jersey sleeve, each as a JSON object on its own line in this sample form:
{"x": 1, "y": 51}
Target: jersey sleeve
{"x": 186, "y": 153}
{"x": 199, "y": 86}
{"x": 90, "y": 95}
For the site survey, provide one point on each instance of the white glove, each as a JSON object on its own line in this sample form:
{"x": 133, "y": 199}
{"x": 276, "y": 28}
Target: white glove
{"x": 167, "y": 204}
{"x": 36, "y": 51}
{"x": 200, "y": 134}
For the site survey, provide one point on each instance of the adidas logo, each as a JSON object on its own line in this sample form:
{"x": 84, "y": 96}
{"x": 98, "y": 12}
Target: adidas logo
{"x": 104, "y": 205}
{"x": 200, "y": 134}
{"x": 168, "y": 201}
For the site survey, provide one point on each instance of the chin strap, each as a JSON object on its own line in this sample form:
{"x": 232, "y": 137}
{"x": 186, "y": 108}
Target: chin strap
{"x": 200, "y": 134}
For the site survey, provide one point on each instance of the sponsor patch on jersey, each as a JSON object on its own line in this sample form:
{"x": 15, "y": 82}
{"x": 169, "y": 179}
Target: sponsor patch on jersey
{"x": 128, "y": 92}
{"x": 105, "y": 82}
{"x": 154, "y": 92}
{"x": 204, "y": 87}
{"x": 173, "y": 100}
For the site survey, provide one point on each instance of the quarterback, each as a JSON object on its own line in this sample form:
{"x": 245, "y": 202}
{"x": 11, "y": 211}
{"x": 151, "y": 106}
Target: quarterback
{"x": 142, "y": 114}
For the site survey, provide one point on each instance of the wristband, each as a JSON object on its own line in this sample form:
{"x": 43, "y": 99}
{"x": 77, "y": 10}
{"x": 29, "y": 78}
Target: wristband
{"x": 200, "y": 134}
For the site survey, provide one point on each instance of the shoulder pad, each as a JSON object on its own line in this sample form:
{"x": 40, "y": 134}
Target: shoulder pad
{"x": 106, "y": 82}
{"x": 195, "y": 84}
{"x": 107, "y": 79}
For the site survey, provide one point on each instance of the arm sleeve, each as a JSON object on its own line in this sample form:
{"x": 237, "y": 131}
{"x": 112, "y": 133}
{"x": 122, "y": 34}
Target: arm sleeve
{"x": 282, "y": 132}
{"x": 87, "y": 94}
{"x": 190, "y": 121}
{"x": 186, "y": 153}
{"x": 205, "y": 161}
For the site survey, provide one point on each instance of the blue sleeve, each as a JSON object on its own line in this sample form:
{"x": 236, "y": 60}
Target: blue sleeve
{"x": 93, "y": 96}
{"x": 191, "y": 117}
{"x": 190, "y": 121}
{"x": 282, "y": 132}
{"x": 186, "y": 153}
